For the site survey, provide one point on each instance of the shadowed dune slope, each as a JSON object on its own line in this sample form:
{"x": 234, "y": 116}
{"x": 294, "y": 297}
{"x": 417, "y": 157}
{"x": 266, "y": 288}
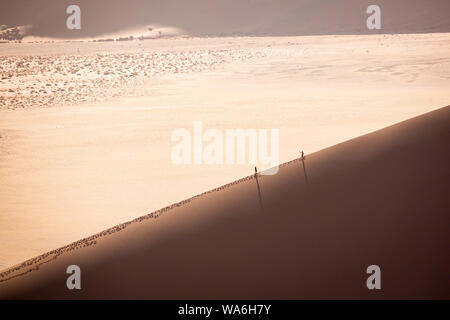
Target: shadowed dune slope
{"x": 228, "y": 17}
{"x": 378, "y": 199}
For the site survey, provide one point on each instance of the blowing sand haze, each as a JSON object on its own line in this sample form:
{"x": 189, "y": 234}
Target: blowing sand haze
{"x": 168, "y": 114}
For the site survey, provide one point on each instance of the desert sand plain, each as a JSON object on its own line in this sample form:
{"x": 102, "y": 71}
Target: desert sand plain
{"x": 85, "y": 128}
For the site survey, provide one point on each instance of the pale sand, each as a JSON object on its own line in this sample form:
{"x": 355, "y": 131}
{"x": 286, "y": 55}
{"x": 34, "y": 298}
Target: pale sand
{"x": 378, "y": 199}
{"x": 68, "y": 172}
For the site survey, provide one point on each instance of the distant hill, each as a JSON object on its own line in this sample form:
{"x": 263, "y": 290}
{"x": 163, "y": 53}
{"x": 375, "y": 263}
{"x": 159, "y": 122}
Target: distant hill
{"x": 228, "y": 17}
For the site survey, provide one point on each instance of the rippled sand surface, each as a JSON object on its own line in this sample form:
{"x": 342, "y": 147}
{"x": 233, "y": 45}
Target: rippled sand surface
{"x": 62, "y": 79}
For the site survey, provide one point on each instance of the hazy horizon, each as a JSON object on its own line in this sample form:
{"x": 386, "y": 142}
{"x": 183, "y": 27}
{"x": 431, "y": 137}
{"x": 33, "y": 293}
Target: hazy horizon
{"x": 224, "y": 17}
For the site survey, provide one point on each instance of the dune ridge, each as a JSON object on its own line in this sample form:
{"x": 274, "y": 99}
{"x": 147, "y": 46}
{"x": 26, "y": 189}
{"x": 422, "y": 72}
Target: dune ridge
{"x": 370, "y": 200}
{"x": 91, "y": 240}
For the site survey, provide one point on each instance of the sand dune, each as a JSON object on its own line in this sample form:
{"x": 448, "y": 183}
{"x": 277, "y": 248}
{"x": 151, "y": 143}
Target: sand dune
{"x": 68, "y": 172}
{"x": 229, "y": 17}
{"x": 378, "y": 199}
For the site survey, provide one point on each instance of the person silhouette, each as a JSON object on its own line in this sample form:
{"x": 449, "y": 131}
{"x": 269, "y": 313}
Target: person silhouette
{"x": 303, "y": 156}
